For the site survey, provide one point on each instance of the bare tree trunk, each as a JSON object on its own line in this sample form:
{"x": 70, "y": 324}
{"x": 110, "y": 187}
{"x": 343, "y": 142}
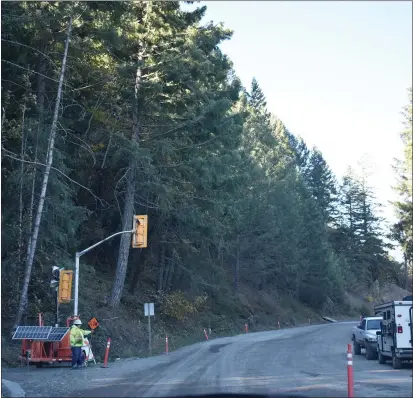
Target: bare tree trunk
{"x": 41, "y": 86}
{"x": 20, "y": 243}
{"x": 236, "y": 267}
{"x": 171, "y": 273}
{"x": 3, "y": 117}
{"x": 125, "y": 240}
{"x": 36, "y": 227}
{"x": 40, "y": 90}
{"x": 166, "y": 274}
{"x": 406, "y": 272}
{"x": 137, "y": 272}
{"x": 161, "y": 268}
{"x": 31, "y": 208}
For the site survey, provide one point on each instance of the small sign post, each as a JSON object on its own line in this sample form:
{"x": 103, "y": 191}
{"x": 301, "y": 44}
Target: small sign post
{"x": 149, "y": 311}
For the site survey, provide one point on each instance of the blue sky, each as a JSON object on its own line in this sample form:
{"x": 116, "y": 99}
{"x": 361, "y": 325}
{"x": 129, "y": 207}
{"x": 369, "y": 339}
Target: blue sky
{"x": 336, "y": 73}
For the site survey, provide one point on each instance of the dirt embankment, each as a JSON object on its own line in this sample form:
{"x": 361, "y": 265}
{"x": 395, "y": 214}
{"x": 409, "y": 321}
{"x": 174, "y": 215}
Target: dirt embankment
{"x": 377, "y": 294}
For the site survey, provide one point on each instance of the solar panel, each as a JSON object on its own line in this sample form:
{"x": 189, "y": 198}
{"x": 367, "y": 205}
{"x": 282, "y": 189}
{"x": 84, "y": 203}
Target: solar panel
{"x": 32, "y": 332}
{"x": 57, "y": 334}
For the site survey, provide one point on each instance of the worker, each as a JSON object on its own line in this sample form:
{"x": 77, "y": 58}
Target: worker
{"x": 77, "y": 342}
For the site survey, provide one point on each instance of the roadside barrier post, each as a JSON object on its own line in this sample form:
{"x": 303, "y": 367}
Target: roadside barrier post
{"x": 350, "y": 379}
{"x": 105, "y": 361}
{"x": 206, "y": 335}
{"x": 279, "y": 326}
{"x": 166, "y": 344}
{"x": 246, "y": 327}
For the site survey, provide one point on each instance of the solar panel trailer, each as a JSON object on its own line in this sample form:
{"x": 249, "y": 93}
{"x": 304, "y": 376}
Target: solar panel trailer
{"x": 48, "y": 345}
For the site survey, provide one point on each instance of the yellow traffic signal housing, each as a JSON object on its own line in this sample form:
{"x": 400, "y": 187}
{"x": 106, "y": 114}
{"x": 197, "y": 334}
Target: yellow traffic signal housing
{"x": 65, "y": 286}
{"x": 140, "y": 234}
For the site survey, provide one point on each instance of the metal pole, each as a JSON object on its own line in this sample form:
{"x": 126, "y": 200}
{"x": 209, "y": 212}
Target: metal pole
{"x": 57, "y": 307}
{"x": 76, "y": 304}
{"x": 150, "y": 339}
{"x": 104, "y": 240}
{"x": 78, "y": 255}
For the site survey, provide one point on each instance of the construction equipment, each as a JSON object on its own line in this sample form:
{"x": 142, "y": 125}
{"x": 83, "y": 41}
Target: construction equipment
{"x": 48, "y": 345}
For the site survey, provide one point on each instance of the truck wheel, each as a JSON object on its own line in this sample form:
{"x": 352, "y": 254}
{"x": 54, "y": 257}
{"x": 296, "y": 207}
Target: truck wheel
{"x": 39, "y": 364}
{"x": 370, "y": 354}
{"x": 382, "y": 359}
{"x": 357, "y": 348}
{"x": 397, "y": 363}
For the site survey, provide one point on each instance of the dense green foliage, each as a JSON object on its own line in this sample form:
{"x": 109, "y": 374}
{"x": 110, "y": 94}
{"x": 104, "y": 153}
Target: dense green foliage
{"x": 152, "y": 108}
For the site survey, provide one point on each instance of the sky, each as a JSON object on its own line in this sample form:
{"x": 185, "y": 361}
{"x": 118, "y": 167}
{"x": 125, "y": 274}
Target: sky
{"x": 336, "y": 73}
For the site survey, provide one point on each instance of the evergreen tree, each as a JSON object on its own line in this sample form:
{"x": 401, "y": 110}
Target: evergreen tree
{"x": 322, "y": 185}
{"x": 153, "y": 120}
{"x": 403, "y": 230}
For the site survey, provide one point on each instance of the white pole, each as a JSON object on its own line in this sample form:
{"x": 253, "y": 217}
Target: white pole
{"x": 76, "y": 286}
{"x": 78, "y": 254}
{"x": 150, "y": 337}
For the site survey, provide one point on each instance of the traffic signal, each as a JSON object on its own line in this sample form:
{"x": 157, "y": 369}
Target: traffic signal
{"x": 55, "y": 277}
{"x": 62, "y": 283}
{"x": 65, "y": 286}
{"x": 140, "y": 234}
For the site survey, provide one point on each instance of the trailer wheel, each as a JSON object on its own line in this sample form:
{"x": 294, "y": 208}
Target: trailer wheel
{"x": 382, "y": 359}
{"x": 397, "y": 363}
{"x": 39, "y": 364}
{"x": 357, "y": 348}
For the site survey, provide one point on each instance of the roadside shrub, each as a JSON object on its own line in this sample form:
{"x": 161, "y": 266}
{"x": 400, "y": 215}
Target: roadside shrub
{"x": 176, "y": 305}
{"x": 369, "y": 298}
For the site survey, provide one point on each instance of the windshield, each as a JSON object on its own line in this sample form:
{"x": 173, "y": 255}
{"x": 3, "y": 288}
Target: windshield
{"x": 373, "y": 324}
{"x": 218, "y": 193}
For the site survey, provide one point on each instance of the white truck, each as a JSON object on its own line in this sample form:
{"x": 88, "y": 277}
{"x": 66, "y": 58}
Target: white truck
{"x": 395, "y": 336}
{"x": 364, "y": 336}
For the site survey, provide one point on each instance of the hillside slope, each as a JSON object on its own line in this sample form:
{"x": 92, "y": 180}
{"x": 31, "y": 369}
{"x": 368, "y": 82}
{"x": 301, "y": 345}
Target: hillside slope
{"x": 222, "y": 316}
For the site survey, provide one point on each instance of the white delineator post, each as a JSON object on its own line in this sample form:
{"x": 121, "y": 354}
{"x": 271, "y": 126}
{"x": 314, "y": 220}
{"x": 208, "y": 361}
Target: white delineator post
{"x": 350, "y": 380}
{"x": 105, "y": 360}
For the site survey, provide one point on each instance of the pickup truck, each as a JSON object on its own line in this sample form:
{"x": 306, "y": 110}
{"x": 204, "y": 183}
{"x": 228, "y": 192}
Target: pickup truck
{"x": 364, "y": 336}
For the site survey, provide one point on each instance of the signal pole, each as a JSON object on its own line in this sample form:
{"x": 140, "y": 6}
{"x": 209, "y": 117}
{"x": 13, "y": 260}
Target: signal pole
{"x": 140, "y": 240}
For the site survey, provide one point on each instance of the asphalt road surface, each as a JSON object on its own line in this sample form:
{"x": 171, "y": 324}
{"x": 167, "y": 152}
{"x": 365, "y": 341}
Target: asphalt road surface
{"x": 309, "y": 361}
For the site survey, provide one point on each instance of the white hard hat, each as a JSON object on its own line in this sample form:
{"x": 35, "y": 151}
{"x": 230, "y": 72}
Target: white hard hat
{"x": 77, "y": 322}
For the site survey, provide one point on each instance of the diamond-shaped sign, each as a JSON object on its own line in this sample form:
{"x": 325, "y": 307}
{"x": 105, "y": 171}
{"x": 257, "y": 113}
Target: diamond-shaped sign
{"x": 93, "y": 323}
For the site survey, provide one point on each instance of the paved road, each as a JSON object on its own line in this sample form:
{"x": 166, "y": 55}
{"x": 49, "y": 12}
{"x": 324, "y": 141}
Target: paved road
{"x": 309, "y": 361}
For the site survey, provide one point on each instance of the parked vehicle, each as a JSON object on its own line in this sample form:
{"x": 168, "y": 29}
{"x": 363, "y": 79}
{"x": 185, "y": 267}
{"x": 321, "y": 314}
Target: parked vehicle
{"x": 395, "y": 336}
{"x": 364, "y": 336}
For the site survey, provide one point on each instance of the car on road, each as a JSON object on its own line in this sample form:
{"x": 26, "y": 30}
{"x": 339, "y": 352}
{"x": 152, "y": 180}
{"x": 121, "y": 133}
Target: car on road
{"x": 364, "y": 336}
